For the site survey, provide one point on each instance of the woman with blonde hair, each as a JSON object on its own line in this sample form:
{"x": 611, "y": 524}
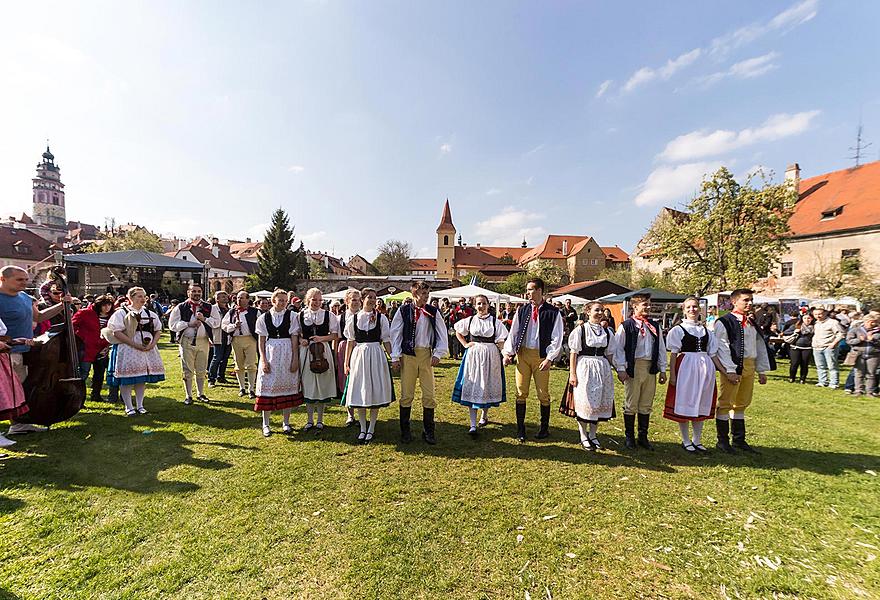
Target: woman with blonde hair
{"x": 318, "y": 329}
{"x": 351, "y": 307}
{"x": 134, "y": 359}
{"x": 278, "y": 384}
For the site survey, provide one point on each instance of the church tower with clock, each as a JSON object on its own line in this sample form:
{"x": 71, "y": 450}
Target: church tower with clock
{"x": 48, "y": 190}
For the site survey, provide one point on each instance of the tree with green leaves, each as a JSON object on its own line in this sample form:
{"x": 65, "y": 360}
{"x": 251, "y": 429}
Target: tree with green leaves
{"x": 730, "y": 236}
{"x": 514, "y": 285}
{"x": 552, "y": 274}
{"x": 279, "y": 264}
{"x": 393, "y": 258}
{"x": 846, "y": 277}
{"x": 135, "y": 239}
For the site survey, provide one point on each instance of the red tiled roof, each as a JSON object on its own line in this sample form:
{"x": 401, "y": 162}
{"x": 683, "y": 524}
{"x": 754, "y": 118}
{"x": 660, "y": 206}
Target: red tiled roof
{"x": 21, "y": 244}
{"x": 486, "y": 255}
{"x": 615, "y": 254}
{"x": 423, "y": 264}
{"x": 224, "y": 260}
{"x": 245, "y": 249}
{"x": 855, "y": 193}
{"x": 552, "y": 247}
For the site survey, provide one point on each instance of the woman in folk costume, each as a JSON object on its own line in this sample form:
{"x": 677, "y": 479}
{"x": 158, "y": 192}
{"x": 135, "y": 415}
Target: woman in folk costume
{"x": 368, "y": 383}
{"x": 480, "y": 383}
{"x": 134, "y": 359}
{"x": 318, "y": 328}
{"x": 691, "y": 395}
{"x": 352, "y": 307}
{"x": 12, "y": 401}
{"x": 278, "y": 385}
{"x": 590, "y": 378}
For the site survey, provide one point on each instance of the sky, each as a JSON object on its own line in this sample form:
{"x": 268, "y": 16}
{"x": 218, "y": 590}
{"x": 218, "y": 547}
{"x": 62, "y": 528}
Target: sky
{"x": 361, "y": 118}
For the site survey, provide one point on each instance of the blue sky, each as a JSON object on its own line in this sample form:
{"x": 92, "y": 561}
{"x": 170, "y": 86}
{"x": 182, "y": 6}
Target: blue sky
{"x": 360, "y": 118}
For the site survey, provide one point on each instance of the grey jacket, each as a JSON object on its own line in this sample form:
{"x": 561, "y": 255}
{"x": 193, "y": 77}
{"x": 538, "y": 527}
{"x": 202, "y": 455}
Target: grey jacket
{"x": 870, "y": 347}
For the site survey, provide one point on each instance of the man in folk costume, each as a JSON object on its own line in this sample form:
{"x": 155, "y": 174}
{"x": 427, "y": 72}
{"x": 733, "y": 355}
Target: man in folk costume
{"x": 418, "y": 342}
{"x": 743, "y": 352}
{"x": 240, "y": 324}
{"x": 194, "y": 322}
{"x": 536, "y": 342}
{"x": 640, "y": 360}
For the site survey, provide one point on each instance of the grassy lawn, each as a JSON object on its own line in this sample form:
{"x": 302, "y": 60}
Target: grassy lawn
{"x": 192, "y": 502}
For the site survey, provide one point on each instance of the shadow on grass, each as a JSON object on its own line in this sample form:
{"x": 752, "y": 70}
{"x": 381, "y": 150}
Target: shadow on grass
{"x": 103, "y": 449}
{"x": 9, "y": 505}
{"x": 7, "y": 595}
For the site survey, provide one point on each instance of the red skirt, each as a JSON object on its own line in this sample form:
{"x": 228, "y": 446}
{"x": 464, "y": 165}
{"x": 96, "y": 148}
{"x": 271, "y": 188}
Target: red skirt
{"x": 12, "y": 401}
{"x": 277, "y": 402}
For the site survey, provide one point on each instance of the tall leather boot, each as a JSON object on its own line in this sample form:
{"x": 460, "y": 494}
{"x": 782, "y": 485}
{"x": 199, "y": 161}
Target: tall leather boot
{"x": 521, "y": 422}
{"x": 544, "y": 431}
{"x": 428, "y": 426}
{"x": 405, "y": 429}
{"x": 738, "y": 433}
{"x": 723, "y": 429}
{"x": 629, "y": 428}
{"x": 113, "y": 393}
{"x": 642, "y": 441}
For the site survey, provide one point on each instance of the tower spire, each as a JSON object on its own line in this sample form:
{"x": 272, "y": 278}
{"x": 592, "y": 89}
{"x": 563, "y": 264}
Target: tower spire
{"x": 446, "y": 220}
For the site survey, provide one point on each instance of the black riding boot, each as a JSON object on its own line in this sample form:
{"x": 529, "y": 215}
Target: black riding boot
{"x": 428, "y": 426}
{"x": 644, "y": 420}
{"x": 738, "y": 433}
{"x": 544, "y": 431}
{"x": 629, "y": 427}
{"x": 723, "y": 429}
{"x": 405, "y": 430}
{"x": 113, "y": 393}
{"x": 521, "y": 422}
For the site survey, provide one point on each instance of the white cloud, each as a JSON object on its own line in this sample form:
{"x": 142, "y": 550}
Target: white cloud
{"x": 445, "y": 148}
{"x": 493, "y": 192}
{"x": 313, "y": 237}
{"x": 745, "y": 69}
{"x": 296, "y": 169}
{"x": 670, "y": 183}
{"x": 258, "y": 231}
{"x": 703, "y": 143}
{"x": 795, "y": 15}
{"x": 672, "y": 66}
{"x": 603, "y": 87}
{"x": 509, "y": 226}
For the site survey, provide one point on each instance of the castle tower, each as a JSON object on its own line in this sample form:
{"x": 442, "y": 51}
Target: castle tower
{"x": 446, "y": 245}
{"x": 49, "y": 194}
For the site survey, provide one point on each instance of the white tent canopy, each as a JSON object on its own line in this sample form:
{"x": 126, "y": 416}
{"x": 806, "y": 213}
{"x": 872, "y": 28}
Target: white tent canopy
{"x": 712, "y": 299}
{"x": 262, "y": 294}
{"x": 577, "y": 300}
{"x": 469, "y": 291}
{"x": 340, "y": 295}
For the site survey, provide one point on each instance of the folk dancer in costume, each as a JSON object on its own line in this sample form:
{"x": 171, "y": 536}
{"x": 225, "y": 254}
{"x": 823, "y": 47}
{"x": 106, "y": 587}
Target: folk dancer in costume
{"x": 418, "y": 342}
{"x": 368, "y": 377}
{"x": 194, "y": 321}
{"x": 592, "y": 347}
{"x": 19, "y": 312}
{"x": 222, "y": 343}
{"x": 12, "y": 402}
{"x": 743, "y": 353}
{"x": 536, "y": 342}
{"x": 352, "y": 307}
{"x": 318, "y": 326}
{"x": 691, "y": 395}
{"x": 135, "y": 359}
{"x": 480, "y": 383}
{"x": 278, "y": 385}
{"x": 640, "y": 362}
{"x": 240, "y": 324}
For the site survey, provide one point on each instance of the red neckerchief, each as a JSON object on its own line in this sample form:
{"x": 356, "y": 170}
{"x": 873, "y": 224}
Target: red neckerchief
{"x": 644, "y": 323}
{"x": 194, "y": 305}
{"x": 743, "y": 319}
{"x": 417, "y": 312}
{"x": 535, "y": 312}
{"x": 241, "y": 310}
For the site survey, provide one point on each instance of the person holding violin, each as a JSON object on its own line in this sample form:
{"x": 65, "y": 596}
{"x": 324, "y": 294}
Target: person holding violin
{"x": 19, "y": 312}
{"x": 318, "y": 328}
{"x": 194, "y": 321}
{"x": 135, "y": 360}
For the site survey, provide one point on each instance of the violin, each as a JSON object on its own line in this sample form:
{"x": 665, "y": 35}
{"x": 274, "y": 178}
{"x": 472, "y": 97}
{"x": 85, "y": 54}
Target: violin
{"x": 318, "y": 363}
{"x": 54, "y": 389}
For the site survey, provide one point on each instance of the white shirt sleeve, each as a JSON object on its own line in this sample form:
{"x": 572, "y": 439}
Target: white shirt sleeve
{"x": 462, "y": 326}
{"x": 396, "y": 335}
{"x": 662, "y": 359}
{"x": 386, "y": 328}
{"x": 214, "y": 320}
{"x": 555, "y": 347}
{"x": 174, "y": 322}
{"x": 226, "y": 323}
{"x": 117, "y": 320}
{"x": 724, "y": 347}
{"x": 294, "y": 324}
{"x": 762, "y": 361}
{"x": 620, "y": 349}
{"x": 514, "y": 327}
{"x": 349, "y": 326}
{"x": 611, "y": 350}
{"x": 574, "y": 340}
{"x": 261, "y": 328}
{"x": 501, "y": 332}
{"x": 334, "y": 323}
{"x": 673, "y": 339}
{"x": 157, "y": 322}
{"x": 442, "y": 347}
{"x": 712, "y": 350}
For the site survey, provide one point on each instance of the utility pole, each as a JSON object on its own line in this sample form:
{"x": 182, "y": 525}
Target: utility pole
{"x": 860, "y": 147}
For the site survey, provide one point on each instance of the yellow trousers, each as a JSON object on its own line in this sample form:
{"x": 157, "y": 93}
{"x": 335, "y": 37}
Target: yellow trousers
{"x": 738, "y": 396}
{"x": 640, "y": 389}
{"x": 194, "y": 358}
{"x": 244, "y": 349}
{"x": 417, "y": 367}
{"x": 528, "y": 367}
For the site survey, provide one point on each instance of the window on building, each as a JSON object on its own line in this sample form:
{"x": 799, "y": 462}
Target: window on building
{"x": 831, "y": 213}
{"x": 594, "y": 262}
{"x": 55, "y": 200}
{"x": 445, "y": 240}
{"x": 786, "y": 270}
{"x": 585, "y": 261}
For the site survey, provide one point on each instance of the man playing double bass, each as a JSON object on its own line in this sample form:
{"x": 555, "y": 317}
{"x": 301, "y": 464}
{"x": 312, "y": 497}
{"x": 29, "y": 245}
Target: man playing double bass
{"x": 19, "y": 312}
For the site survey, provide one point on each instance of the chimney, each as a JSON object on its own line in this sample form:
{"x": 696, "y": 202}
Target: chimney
{"x": 326, "y": 262}
{"x": 247, "y": 240}
{"x": 793, "y": 173}
{"x": 215, "y": 247}
{"x": 564, "y": 247}
{"x": 478, "y": 244}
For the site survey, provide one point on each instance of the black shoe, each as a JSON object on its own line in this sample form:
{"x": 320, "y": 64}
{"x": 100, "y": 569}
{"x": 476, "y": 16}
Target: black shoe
{"x": 242, "y": 393}
{"x": 642, "y": 440}
{"x": 521, "y": 422}
{"x": 738, "y": 433}
{"x": 252, "y": 395}
{"x": 188, "y": 400}
{"x": 723, "y": 429}
{"x": 113, "y": 394}
{"x": 544, "y": 431}
{"x": 204, "y": 398}
{"x": 428, "y": 426}
{"x": 96, "y": 397}
{"x": 405, "y": 429}
{"x": 629, "y": 426}
{"x": 222, "y": 381}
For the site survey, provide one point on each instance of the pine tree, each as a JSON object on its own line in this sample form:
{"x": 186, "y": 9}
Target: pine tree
{"x": 278, "y": 260}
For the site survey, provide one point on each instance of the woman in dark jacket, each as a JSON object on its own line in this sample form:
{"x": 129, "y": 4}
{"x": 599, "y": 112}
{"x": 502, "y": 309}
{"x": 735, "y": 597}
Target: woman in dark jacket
{"x": 799, "y": 335}
{"x": 87, "y": 325}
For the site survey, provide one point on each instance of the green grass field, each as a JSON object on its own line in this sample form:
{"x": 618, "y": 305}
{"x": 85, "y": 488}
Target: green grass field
{"x": 192, "y": 502}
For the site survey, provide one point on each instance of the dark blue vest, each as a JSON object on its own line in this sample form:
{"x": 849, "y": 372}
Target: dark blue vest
{"x": 186, "y": 314}
{"x": 547, "y": 314}
{"x": 408, "y": 344}
{"x": 738, "y": 343}
{"x": 250, "y": 317}
{"x": 629, "y": 346}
